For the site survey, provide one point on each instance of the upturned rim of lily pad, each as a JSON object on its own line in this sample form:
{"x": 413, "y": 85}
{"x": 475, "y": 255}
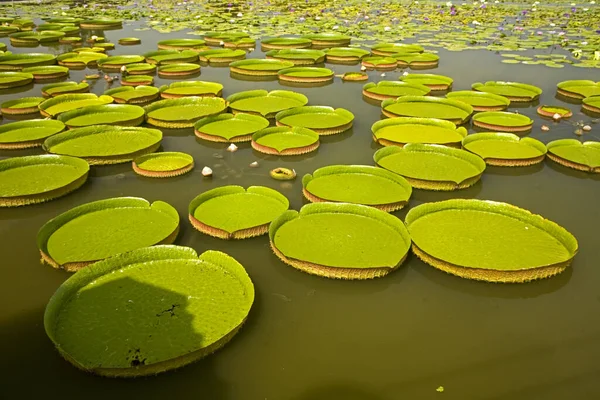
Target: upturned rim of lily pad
{"x": 524, "y": 123}
{"x": 341, "y": 126}
{"x": 245, "y": 67}
{"x": 495, "y": 102}
{"x": 305, "y": 74}
{"x": 134, "y": 94}
{"x": 503, "y": 160}
{"x": 459, "y": 132}
{"x": 163, "y": 170}
{"x": 568, "y": 160}
{"x": 311, "y": 144}
{"x": 33, "y": 138}
{"x": 223, "y": 119}
{"x": 466, "y": 108}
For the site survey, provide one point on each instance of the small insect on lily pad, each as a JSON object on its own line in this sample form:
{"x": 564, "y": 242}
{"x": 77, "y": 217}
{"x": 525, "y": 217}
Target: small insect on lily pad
{"x": 390, "y": 90}
{"x": 358, "y": 184}
{"x": 551, "y": 111}
{"x": 502, "y": 121}
{"x": 36, "y": 179}
{"x": 432, "y": 167}
{"x": 108, "y": 114}
{"x": 283, "y": 140}
{"x": 489, "y": 241}
{"x": 400, "y": 131}
{"x": 22, "y": 106}
{"x": 27, "y": 134}
{"x": 232, "y": 212}
{"x": 133, "y": 95}
{"x": 340, "y": 240}
{"x": 229, "y": 127}
{"x": 345, "y": 55}
{"x": 67, "y": 102}
{"x": 169, "y": 291}
{"x": 480, "y": 101}
{"x": 183, "y": 112}
{"x": 12, "y": 79}
{"x": 101, "y": 229}
{"x": 191, "y": 88}
{"x": 43, "y": 72}
{"x": 514, "y": 91}
{"x": 322, "y": 119}
{"x": 285, "y": 43}
{"x": 254, "y": 67}
{"x": 579, "y": 89}
{"x": 298, "y": 56}
{"x": 434, "y": 82}
{"x": 305, "y": 75}
{"x": 505, "y": 149}
{"x": 163, "y": 165}
{"x": 574, "y": 154}
{"x": 266, "y": 104}
{"x": 179, "y": 70}
{"x": 454, "y": 111}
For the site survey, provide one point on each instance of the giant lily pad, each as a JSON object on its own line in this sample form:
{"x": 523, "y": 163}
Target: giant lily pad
{"x": 285, "y": 43}
{"x": 503, "y": 121}
{"x": 153, "y": 286}
{"x": 26, "y": 134}
{"x": 264, "y": 103}
{"x": 574, "y": 154}
{"x": 140, "y": 68}
{"x": 328, "y": 39}
{"x": 81, "y": 59}
{"x": 345, "y": 54}
{"x": 101, "y": 23}
{"x": 480, "y": 101}
{"x": 400, "y": 131}
{"x": 284, "y": 140}
{"x": 434, "y": 82}
{"x": 592, "y": 104}
{"x": 432, "y": 167}
{"x": 514, "y": 91}
{"x": 221, "y": 56}
{"x": 386, "y": 49}
{"x": 133, "y": 95}
{"x": 215, "y": 38}
{"x": 322, "y": 119}
{"x": 417, "y": 60}
{"x": 137, "y": 80}
{"x": 109, "y": 114}
{"x": 232, "y": 212}
{"x": 505, "y": 149}
{"x": 114, "y": 63}
{"x": 305, "y": 74}
{"x": 170, "y": 56}
{"x": 344, "y": 241}
{"x": 183, "y": 112}
{"x": 57, "y": 89}
{"x": 163, "y": 165}
{"x": 256, "y": 67}
{"x": 358, "y": 184}
{"x": 229, "y": 128}
{"x": 551, "y": 111}
{"x": 489, "y": 241}
{"x": 298, "y": 56}
{"x": 34, "y": 38}
{"x": 380, "y": 63}
{"x": 129, "y": 41}
{"x": 105, "y": 144}
{"x": 191, "y": 88}
{"x": 390, "y": 90}
{"x": 181, "y": 44}
{"x": 67, "y": 102}
{"x": 427, "y": 107}
{"x": 36, "y": 179}
{"x": 100, "y": 229}
{"x": 47, "y": 72}
{"x": 22, "y": 106}
{"x": 178, "y": 70}
{"x": 12, "y": 79}
{"x": 579, "y": 89}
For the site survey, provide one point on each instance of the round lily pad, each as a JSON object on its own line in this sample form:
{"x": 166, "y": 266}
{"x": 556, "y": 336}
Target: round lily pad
{"x": 386, "y": 49}
{"x": 514, "y": 91}
{"x": 114, "y": 63}
{"x": 579, "y": 89}
{"x": 505, "y": 149}
{"x": 256, "y": 67}
{"x": 163, "y": 165}
{"x": 339, "y": 240}
{"x": 266, "y": 104}
{"x": 390, "y": 90}
{"x": 56, "y": 89}
{"x": 480, "y": 101}
{"x": 108, "y": 114}
{"x": 298, "y": 56}
{"x": 229, "y": 127}
{"x": 101, "y": 23}
{"x": 322, "y": 119}
{"x": 400, "y": 131}
{"x": 574, "y": 154}
{"x": 105, "y": 144}
{"x": 191, "y": 88}
{"x": 432, "y": 167}
{"x": 137, "y": 80}
{"x": 345, "y": 54}
{"x": 80, "y": 59}
{"x": 47, "y": 72}
{"x": 36, "y": 179}
{"x": 22, "y": 106}
{"x": 101, "y": 229}
{"x": 133, "y": 95}
{"x": 434, "y": 82}
{"x": 178, "y": 70}
{"x": 380, "y": 63}
{"x": 35, "y": 38}
{"x": 503, "y": 121}
{"x": 12, "y": 79}
{"x": 221, "y": 56}
{"x": 416, "y": 60}
{"x": 285, "y": 43}
{"x": 142, "y": 301}
{"x": 427, "y": 107}
{"x": 305, "y": 74}
{"x": 215, "y": 38}
{"x": 129, "y": 41}
{"x": 551, "y": 111}
{"x": 160, "y": 57}
{"x": 489, "y": 241}
{"x": 328, "y": 39}
{"x": 140, "y": 68}
{"x": 283, "y": 140}
{"x": 592, "y": 104}
{"x": 181, "y": 44}
{"x": 355, "y": 77}
{"x": 232, "y": 212}
{"x": 67, "y": 102}
{"x": 358, "y": 184}
{"x": 183, "y": 112}
{"x": 26, "y": 134}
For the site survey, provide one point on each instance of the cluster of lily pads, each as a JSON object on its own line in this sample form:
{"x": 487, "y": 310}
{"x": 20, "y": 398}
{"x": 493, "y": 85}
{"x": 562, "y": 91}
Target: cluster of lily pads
{"x": 347, "y": 231}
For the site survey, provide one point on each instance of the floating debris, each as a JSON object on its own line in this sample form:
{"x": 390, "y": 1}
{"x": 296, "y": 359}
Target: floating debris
{"x": 587, "y": 128}
{"x": 282, "y": 174}
{"x": 232, "y": 148}
{"x": 206, "y": 171}
{"x": 545, "y": 128}
{"x": 557, "y": 117}
{"x": 253, "y": 164}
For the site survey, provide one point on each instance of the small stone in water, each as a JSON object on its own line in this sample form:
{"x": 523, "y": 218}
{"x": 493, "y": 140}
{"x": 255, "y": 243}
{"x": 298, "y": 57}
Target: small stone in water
{"x": 206, "y": 171}
{"x": 587, "y": 128}
{"x": 254, "y": 164}
{"x": 232, "y": 147}
{"x": 578, "y": 132}
{"x": 545, "y": 128}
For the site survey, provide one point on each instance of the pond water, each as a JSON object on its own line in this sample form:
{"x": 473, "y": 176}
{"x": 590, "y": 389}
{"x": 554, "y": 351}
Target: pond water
{"x": 308, "y": 338}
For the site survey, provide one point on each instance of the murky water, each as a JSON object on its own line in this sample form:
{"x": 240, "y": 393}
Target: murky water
{"x": 308, "y": 338}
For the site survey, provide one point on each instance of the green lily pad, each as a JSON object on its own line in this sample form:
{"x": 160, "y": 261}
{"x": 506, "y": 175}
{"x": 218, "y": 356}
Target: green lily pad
{"x": 266, "y": 104}
{"x": 67, "y": 102}
{"x": 386, "y": 49}
{"x": 12, "y": 79}
{"x": 101, "y": 23}
{"x": 355, "y": 76}
{"x": 502, "y": 121}
{"x": 163, "y": 165}
{"x": 379, "y": 63}
{"x": 114, "y": 63}
{"x": 283, "y": 140}
{"x": 47, "y": 72}
{"x": 305, "y": 74}
{"x": 191, "y": 88}
{"x": 101, "y": 229}
{"x": 574, "y": 154}
{"x": 434, "y": 82}
{"x": 178, "y": 70}
{"x": 26, "y": 134}
{"x": 514, "y": 91}
{"x": 35, "y": 38}
{"x": 108, "y": 114}
{"x": 183, "y": 112}
{"x": 579, "y": 89}
{"x": 170, "y": 56}
{"x": 140, "y": 69}
{"x": 551, "y": 111}
{"x": 80, "y": 59}
{"x": 74, "y": 40}
{"x": 285, "y": 43}
{"x": 181, "y": 44}
{"x": 357, "y": 184}
{"x": 56, "y": 89}
{"x": 432, "y": 167}
{"x": 297, "y": 56}
{"x": 221, "y": 56}
{"x": 345, "y": 241}
{"x": 345, "y": 54}
{"x": 232, "y": 212}
{"x": 129, "y": 41}
{"x": 328, "y": 39}
{"x": 390, "y": 90}
{"x": 322, "y": 119}
{"x": 133, "y": 95}
{"x": 229, "y": 127}
{"x": 592, "y": 104}
{"x": 427, "y": 107}
{"x": 505, "y": 149}
{"x": 256, "y": 67}
{"x": 480, "y": 101}
{"x": 22, "y": 106}
{"x": 416, "y": 60}
{"x": 137, "y": 80}
{"x": 489, "y": 241}
{"x": 215, "y": 38}
{"x": 400, "y": 131}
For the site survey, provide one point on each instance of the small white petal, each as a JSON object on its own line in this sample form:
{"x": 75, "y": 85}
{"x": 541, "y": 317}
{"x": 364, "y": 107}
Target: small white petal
{"x": 254, "y": 164}
{"x": 232, "y": 147}
{"x": 206, "y": 171}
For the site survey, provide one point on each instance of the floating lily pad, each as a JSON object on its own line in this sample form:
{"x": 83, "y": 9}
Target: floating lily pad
{"x": 503, "y": 121}
{"x": 109, "y": 114}
{"x": 285, "y": 43}
{"x": 380, "y": 63}
{"x": 72, "y": 40}
{"x": 137, "y": 80}
{"x": 56, "y": 89}
{"x": 229, "y": 127}
{"x": 163, "y": 165}
{"x": 178, "y": 70}
{"x": 114, "y": 63}
{"x": 191, "y": 88}
{"x": 35, "y": 38}
{"x": 390, "y": 90}
{"x": 47, "y": 72}
{"x": 256, "y": 67}
{"x": 169, "y": 291}
{"x": 322, "y": 119}
{"x": 551, "y": 111}
{"x": 12, "y": 79}
{"x": 264, "y": 103}
{"x": 400, "y": 131}
{"x": 129, "y": 41}
{"x": 22, "y": 106}
{"x": 489, "y": 241}
{"x": 328, "y": 39}
{"x": 102, "y": 23}
{"x": 171, "y": 56}
{"x": 298, "y": 56}
{"x": 133, "y": 95}
{"x": 355, "y": 76}
{"x": 505, "y": 149}
{"x": 26, "y": 134}
{"x": 579, "y": 89}
{"x": 232, "y": 212}
{"x": 427, "y": 107}
{"x": 221, "y": 56}
{"x": 345, "y": 54}
{"x": 140, "y": 69}
{"x": 592, "y": 104}
{"x": 283, "y": 140}
{"x": 358, "y": 184}
{"x": 435, "y": 82}
{"x": 105, "y": 46}
{"x": 94, "y": 49}
{"x": 81, "y": 59}
{"x": 514, "y": 91}
{"x": 432, "y": 167}
{"x": 101, "y": 229}
{"x": 386, "y": 49}
{"x": 183, "y": 112}
{"x": 416, "y": 60}
{"x": 480, "y": 101}
{"x": 181, "y": 44}
{"x": 574, "y": 154}
{"x": 67, "y": 102}
{"x": 344, "y": 241}
{"x": 305, "y": 74}
{"x": 36, "y": 179}
{"x": 215, "y": 38}
{"x": 105, "y": 144}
